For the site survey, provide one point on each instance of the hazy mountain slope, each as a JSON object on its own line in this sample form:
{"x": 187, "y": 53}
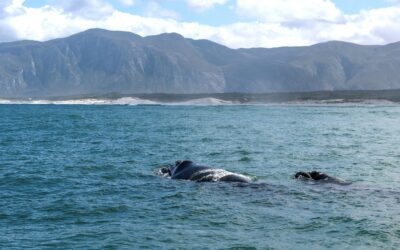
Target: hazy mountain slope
{"x": 100, "y": 61}
{"x": 329, "y": 66}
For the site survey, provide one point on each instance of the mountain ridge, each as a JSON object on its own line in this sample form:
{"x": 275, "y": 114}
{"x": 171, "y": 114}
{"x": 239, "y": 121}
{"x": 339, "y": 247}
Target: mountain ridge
{"x": 99, "y": 61}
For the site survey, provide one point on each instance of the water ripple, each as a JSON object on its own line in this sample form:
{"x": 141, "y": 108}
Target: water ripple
{"x": 83, "y": 177}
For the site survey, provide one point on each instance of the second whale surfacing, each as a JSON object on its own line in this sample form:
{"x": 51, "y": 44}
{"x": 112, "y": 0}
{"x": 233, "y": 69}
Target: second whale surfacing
{"x": 320, "y": 177}
{"x": 188, "y": 170}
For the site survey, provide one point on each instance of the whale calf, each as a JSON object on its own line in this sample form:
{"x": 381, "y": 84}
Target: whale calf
{"x": 320, "y": 177}
{"x": 188, "y": 170}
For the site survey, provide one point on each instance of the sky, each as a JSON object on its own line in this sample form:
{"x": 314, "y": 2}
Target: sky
{"x": 234, "y": 23}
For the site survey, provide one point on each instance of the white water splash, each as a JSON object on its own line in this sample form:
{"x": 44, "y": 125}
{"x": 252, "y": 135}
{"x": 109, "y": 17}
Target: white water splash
{"x": 119, "y": 101}
{"x": 205, "y": 102}
{"x": 214, "y": 175}
{"x": 342, "y": 102}
{"x": 209, "y": 101}
{"x": 87, "y": 101}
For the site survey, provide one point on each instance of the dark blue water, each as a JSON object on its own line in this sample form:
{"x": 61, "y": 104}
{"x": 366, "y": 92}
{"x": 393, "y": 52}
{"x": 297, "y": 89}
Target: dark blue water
{"x": 84, "y": 177}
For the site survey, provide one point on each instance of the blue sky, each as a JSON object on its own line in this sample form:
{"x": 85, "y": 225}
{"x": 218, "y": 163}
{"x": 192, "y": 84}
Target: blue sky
{"x": 219, "y": 14}
{"x": 235, "y": 23}
{"x": 354, "y": 6}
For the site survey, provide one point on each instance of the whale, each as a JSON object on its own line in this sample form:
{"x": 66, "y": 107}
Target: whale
{"x": 320, "y": 177}
{"x": 188, "y": 170}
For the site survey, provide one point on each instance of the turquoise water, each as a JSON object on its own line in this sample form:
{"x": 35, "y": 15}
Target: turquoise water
{"x": 84, "y": 177}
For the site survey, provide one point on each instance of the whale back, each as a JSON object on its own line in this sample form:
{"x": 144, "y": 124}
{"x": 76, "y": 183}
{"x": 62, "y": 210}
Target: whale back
{"x": 315, "y": 175}
{"x": 321, "y": 177}
{"x": 180, "y": 166}
{"x": 302, "y": 175}
{"x": 185, "y": 169}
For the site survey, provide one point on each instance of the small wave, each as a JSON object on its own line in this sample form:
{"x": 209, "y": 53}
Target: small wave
{"x": 86, "y": 101}
{"x": 5, "y": 101}
{"x": 133, "y": 101}
{"x": 245, "y": 159}
{"x": 79, "y": 102}
{"x": 243, "y": 152}
{"x": 377, "y": 102}
{"x": 342, "y": 102}
{"x": 205, "y": 101}
{"x": 120, "y": 101}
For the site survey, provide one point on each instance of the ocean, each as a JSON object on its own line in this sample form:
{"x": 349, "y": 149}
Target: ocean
{"x": 85, "y": 176}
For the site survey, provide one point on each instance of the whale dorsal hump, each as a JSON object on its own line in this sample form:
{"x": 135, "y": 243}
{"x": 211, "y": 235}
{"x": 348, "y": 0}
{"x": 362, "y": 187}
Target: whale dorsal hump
{"x": 318, "y": 175}
{"x": 180, "y": 165}
{"x": 303, "y": 174}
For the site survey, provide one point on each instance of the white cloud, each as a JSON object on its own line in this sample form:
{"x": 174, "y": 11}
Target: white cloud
{"x": 154, "y": 9}
{"x": 91, "y": 9}
{"x": 394, "y": 1}
{"x": 289, "y": 10}
{"x": 10, "y": 7}
{"x": 127, "y": 2}
{"x": 377, "y": 26}
{"x": 202, "y": 5}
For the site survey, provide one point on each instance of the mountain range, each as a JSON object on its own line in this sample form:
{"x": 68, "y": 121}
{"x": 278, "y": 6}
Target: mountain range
{"x": 99, "y": 61}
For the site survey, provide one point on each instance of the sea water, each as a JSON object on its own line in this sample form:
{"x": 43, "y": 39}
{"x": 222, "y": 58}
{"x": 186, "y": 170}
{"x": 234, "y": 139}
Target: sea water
{"x": 84, "y": 177}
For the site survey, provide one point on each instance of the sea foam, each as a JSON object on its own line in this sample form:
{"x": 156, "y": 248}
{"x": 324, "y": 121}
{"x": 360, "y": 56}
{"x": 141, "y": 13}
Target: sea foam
{"x": 205, "y": 101}
{"x": 119, "y": 101}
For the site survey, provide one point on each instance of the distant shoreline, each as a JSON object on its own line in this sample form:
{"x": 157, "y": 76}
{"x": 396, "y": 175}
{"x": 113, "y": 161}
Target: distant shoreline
{"x": 318, "y": 97}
